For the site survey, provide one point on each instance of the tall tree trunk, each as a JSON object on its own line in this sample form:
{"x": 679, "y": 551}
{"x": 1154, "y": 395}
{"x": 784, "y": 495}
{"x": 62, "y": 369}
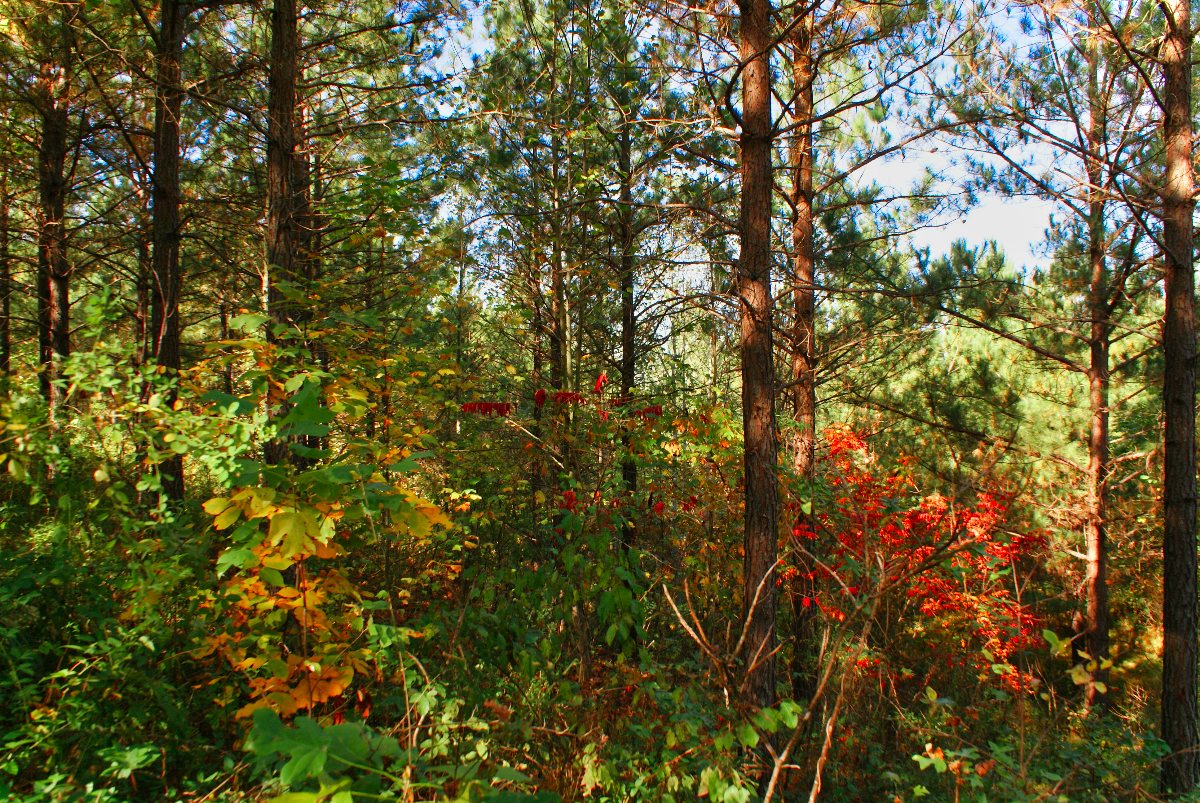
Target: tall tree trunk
{"x": 53, "y": 270}
{"x": 1096, "y": 581}
{"x": 1181, "y": 769}
{"x": 284, "y": 221}
{"x": 308, "y": 178}
{"x": 223, "y": 323}
{"x": 629, "y": 472}
{"x": 537, "y": 468}
{"x": 283, "y": 224}
{"x": 5, "y": 289}
{"x": 757, "y": 354}
{"x": 804, "y": 343}
{"x": 560, "y": 333}
{"x": 145, "y": 269}
{"x": 165, "y": 271}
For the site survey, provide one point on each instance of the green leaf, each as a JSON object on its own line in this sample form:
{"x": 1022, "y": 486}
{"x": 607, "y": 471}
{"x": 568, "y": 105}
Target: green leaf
{"x": 789, "y": 713}
{"x": 1053, "y": 640}
{"x": 272, "y": 576}
{"x": 767, "y": 719}
{"x": 248, "y": 322}
{"x": 306, "y": 416}
{"x": 747, "y": 735}
{"x": 231, "y": 405}
{"x": 239, "y": 557}
{"x": 309, "y": 749}
{"x": 308, "y": 452}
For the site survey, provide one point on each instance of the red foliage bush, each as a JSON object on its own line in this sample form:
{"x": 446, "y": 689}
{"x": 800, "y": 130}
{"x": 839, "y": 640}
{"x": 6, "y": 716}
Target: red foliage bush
{"x": 949, "y": 568}
{"x": 488, "y": 408}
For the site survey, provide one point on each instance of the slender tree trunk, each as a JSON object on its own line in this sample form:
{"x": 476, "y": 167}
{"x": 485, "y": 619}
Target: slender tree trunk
{"x": 302, "y": 186}
{"x": 5, "y": 289}
{"x": 145, "y": 269}
{"x": 53, "y": 270}
{"x": 804, "y": 341}
{"x": 757, "y": 353}
{"x": 1096, "y": 581}
{"x": 223, "y": 315}
{"x": 629, "y": 472}
{"x": 560, "y": 338}
{"x": 318, "y": 224}
{"x": 309, "y": 180}
{"x": 537, "y": 468}
{"x": 1181, "y": 770}
{"x": 165, "y": 270}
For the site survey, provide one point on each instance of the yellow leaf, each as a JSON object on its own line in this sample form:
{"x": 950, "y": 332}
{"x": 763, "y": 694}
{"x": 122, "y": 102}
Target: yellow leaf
{"x": 277, "y": 563}
{"x": 216, "y": 505}
{"x": 310, "y": 618}
{"x": 227, "y": 517}
{"x": 250, "y": 708}
{"x": 434, "y": 515}
{"x": 258, "y": 502}
{"x": 292, "y": 530}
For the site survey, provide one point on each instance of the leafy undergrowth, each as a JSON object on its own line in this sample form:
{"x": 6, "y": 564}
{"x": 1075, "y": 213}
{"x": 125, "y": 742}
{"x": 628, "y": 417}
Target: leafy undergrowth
{"x": 368, "y": 621}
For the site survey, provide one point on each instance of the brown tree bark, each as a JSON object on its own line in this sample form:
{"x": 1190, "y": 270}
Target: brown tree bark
{"x": 804, "y": 340}
{"x": 5, "y": 289}
{"x": 287, "y": 218}
{"x": 560, "y": 337}
{"x": 166, "y": 279}
{"x": 1181, "y": 769}
{"x": 283, "y": 196}
{"x": 537, "y": 467}
{"x": 53, "y": 269}
{"x": 141, "y": 315}
{"x": 1095, "y": 527}
{"x": 629, "y": 472}
{"x": 757, "y": 354}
